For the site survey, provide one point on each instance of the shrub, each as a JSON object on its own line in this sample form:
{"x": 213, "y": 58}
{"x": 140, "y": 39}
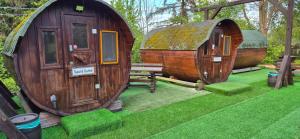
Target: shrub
{"x": 273, "y": 53}
{"x": 5, "y": 77}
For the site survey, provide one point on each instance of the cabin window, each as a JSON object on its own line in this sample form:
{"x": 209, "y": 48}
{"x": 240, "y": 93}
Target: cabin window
{"x": 227, "y": 45}
{"x": 216, "y": 38}
{"x": 205, "y": 49}
{"x": 50, "y": 47}
{"x": 80, "y": 35}
{"x": 109, "y": 47}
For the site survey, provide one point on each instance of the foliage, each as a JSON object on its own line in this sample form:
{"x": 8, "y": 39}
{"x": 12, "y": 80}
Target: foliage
{"x": 3, "y": 71}
{"x": 277, "y": 36}
{"x": 130, "y": 13}
{"x": 273, "y": 53}
{"x": 5, "y": 77}
{"x": 7, "y": 24}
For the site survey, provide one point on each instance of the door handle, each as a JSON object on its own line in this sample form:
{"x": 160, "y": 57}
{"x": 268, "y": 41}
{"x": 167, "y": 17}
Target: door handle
{"x": 79, "y": 58}
{"x": 71, "y": 48}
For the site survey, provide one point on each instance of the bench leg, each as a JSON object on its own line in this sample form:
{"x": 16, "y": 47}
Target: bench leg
{"x": 152, "y": 83}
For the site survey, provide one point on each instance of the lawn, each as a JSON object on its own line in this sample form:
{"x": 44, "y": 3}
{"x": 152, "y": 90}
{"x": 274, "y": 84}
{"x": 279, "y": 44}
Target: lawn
{"x": 179, "y": 112}
{"x": 260, "y": 115}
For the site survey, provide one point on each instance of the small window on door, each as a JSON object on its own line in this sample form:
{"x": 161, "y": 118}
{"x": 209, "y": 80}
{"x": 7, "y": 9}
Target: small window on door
{"x": 109, "y": 47}
{"x": 227, "y": 45}
{"x": 80, "y": 35}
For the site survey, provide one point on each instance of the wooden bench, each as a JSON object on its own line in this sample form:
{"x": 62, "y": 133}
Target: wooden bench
{"x": 145, "y": 73}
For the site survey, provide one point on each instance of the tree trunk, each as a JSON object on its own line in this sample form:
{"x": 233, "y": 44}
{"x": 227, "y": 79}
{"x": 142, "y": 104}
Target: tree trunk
{"x": 263, "y": 18}
{"x": 183, "y": 12}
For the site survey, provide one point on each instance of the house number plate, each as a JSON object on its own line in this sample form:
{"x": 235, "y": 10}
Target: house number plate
{"x": 217, "y": 59}
{"x": 83, "y": 71}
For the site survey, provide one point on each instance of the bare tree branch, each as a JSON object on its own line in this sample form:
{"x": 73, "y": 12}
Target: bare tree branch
{"x": 246, "y": 16}
{"x": 161, "y": 10}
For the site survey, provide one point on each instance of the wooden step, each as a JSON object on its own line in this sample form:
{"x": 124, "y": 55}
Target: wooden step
{"x": 178, "y": 82}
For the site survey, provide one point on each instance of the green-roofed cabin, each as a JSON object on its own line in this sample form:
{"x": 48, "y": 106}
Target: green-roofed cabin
{"x": 199, "y": 51}
{"x": 71, "y": 56}
{"x": 252, "y": 51}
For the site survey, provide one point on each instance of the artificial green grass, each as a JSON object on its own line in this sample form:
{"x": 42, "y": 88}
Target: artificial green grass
{"x": 90, "y": 123}
{"x": 140, "y": 99}
{"x": 244, "y": 120}
{"x": 250, "y": 77}
{"x": 147, "y": 123}
{"x": 228, "y": 88}
{"x": 287, "y": 127}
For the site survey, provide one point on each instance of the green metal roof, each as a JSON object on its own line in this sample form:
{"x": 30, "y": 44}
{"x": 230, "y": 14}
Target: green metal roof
{"x": 182, "y": 37}
{"x": 13, "y": 38}
{"x": 253, "y": 39}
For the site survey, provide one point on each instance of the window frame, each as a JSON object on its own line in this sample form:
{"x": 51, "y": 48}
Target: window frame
{"x": 42, "y": 55}
{"x": 229, "y": 47}
{"x": 87, "y": 36}
{"x": 101, "y": 47}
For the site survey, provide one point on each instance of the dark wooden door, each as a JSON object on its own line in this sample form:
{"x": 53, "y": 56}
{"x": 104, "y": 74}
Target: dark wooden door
{"x": 80, "y": 41}
{"x": 217, "y": 54}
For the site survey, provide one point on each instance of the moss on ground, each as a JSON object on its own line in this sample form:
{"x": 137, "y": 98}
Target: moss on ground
{"x": 140, "y": 99}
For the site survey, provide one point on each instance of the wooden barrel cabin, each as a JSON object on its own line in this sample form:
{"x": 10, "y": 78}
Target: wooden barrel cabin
{"x": 252, "y": 51}
{"x": 71, "y": 56}
{"x": 190, "y": 52}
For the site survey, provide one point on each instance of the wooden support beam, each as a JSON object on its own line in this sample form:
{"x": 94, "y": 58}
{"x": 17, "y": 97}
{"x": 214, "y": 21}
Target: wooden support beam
{"x": 9, "y": 129}
{"x": 215, "y": 12}
{"x": 283, "y": 69}
{"x": 286, "y": 63}
{"x": 6, "y": 107}
{"x": 7, "y": 92}
{"x": 279, "y": 6}
{"x": 206, "y": 14}
{"x": 228, "y": 4}
{"x": 24, "y": 103}
{"x": 8, "y": 96}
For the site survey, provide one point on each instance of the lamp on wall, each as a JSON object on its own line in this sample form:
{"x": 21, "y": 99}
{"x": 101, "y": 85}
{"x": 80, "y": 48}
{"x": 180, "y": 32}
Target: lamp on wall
{"x": 79, "y": 7}
{"x": 53, "y": 100}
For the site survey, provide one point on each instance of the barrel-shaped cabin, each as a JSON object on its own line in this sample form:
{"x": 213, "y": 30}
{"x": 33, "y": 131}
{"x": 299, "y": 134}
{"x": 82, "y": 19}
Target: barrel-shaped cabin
{"x": 71, "y": 56}
{"x": 199, "y": 51}
{"x": 252, "y": 51}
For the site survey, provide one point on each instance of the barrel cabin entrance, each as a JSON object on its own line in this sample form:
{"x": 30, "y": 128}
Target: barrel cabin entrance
{"x": 200, "y": 51}
{"x": 71, "y": 56}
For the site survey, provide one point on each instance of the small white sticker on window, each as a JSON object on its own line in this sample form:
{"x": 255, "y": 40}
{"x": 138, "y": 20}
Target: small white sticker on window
{"x": 94, "y": 31}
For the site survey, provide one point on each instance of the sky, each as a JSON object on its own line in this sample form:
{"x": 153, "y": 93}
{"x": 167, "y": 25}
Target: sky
{"x": 252, "y": 13}
{"x": 108, "y": 1}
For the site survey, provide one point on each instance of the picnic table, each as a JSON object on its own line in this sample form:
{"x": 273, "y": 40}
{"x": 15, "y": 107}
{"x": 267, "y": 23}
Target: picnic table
{"x": 150, "y": 71}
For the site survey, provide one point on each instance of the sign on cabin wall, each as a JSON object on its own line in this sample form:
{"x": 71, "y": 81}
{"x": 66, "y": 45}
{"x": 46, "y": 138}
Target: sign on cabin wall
{"x": 217, "y": 59}
{"x": 83, "y": 71}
